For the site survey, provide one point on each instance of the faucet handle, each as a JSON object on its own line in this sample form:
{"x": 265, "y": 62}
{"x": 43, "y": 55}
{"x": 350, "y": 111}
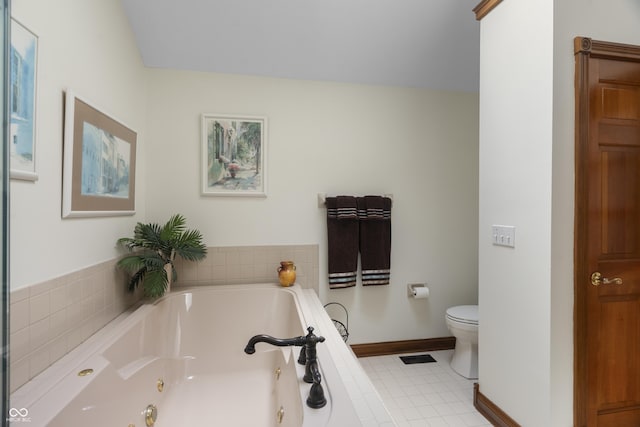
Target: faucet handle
{"x": 313, "y": 338}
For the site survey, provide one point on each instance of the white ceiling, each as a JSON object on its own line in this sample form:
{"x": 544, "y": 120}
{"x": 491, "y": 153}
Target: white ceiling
{"x": 416, "y": 43}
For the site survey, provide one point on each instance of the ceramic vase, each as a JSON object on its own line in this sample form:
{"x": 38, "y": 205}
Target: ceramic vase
{"x": 287, "y": 273}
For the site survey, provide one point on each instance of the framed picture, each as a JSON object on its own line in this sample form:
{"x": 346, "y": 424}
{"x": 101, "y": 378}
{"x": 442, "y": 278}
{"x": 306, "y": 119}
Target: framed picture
{"x": 233, "y": 155}
{"x": 99, "y": 163}
{"x": 23, "y": 63}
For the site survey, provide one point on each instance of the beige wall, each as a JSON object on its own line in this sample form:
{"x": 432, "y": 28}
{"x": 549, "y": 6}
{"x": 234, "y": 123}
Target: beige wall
{"x": 419, "y": 145}
{"x": 516, "y": 60}
{"x": 87, "y": 47}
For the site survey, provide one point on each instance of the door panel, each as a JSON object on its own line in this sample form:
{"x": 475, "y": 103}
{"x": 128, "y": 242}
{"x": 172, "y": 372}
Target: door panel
{"x": 618, "y": 103}
{"x": 618, "y": 354}
{"x": 628, "y": 133}
{"x": 620, "y": 185}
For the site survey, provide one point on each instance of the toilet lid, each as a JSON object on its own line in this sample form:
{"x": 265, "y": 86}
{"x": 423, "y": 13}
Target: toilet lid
{"x": 464, "y": 314}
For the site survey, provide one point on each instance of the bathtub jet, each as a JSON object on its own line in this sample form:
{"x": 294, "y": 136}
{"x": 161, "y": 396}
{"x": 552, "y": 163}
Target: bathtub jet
{"x": 308, "y": 358}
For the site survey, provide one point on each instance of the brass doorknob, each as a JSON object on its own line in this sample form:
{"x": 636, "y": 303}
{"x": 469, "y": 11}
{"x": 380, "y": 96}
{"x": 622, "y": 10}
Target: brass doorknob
{"x": 597, "y": 280}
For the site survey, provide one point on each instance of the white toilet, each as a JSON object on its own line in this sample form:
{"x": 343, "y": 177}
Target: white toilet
{"x": 462, "y": 322}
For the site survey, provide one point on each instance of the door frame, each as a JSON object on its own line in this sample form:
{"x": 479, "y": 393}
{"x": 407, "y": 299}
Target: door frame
{"x": 585, "y": 49}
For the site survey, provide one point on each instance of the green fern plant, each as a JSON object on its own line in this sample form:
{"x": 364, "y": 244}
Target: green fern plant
{"x": 153, "y": 248}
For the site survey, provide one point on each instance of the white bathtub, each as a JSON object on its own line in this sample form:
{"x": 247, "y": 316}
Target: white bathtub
{"x": 184, "y": 354}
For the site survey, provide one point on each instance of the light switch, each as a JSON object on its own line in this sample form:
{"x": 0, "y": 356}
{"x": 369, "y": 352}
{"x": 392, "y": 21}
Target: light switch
{"x": 503, "y": 235}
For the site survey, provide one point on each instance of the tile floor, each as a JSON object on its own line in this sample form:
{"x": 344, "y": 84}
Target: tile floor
{"x": 424, "y": 394}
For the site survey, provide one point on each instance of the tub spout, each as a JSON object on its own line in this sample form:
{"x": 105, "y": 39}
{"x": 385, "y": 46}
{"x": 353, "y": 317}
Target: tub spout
{"x": 280, "y": 342}
{"x": 309, "y": 342}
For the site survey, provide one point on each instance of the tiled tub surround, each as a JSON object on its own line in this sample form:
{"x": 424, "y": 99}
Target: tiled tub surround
{"x": 230, "y": 265}
{"x": 49, "y": 319}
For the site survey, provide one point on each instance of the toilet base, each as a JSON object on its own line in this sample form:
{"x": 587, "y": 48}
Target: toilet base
{"x": 465, "y": 359}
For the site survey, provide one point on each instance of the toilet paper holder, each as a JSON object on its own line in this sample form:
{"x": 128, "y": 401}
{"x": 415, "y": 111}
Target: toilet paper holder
{"x": 411, "y": 287}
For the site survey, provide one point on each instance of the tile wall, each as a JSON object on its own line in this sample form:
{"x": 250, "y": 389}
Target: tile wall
{"x": 49, "y": 319}
{"x": 250, "y": 264}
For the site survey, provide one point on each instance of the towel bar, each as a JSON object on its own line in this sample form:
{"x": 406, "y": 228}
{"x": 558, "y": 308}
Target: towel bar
{"x": 322, "y": 197}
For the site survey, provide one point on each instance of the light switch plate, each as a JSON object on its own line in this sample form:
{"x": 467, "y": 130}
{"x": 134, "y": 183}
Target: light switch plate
{"x": 503, "y": 235}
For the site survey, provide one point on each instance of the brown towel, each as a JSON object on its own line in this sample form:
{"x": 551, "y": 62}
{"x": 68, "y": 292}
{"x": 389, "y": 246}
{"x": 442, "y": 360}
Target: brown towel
{"x": 342, "y": 238}
{"x": 374, "y": 214}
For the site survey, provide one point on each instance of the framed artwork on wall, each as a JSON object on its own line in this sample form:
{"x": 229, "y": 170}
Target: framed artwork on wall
{"x": 23, "y": 66}
{"x": 99, "y": 162}
{"x": 234, "y": 155}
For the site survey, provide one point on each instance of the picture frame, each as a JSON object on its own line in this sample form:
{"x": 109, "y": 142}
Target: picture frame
{"x": 99, "y": 162}
{"x": 23, "y": 71}
{"x": 234, "y": 152}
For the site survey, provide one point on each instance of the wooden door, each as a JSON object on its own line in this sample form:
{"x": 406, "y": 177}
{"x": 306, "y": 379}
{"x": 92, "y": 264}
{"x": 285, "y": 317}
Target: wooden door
{"x": 607, "y": 251}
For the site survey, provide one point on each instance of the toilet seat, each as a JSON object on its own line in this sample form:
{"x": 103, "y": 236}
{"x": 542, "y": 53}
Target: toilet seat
{"x": 467, "y": 314}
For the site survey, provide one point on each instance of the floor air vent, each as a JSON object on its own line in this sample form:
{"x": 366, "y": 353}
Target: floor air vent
{"x": 420, "y": 358}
